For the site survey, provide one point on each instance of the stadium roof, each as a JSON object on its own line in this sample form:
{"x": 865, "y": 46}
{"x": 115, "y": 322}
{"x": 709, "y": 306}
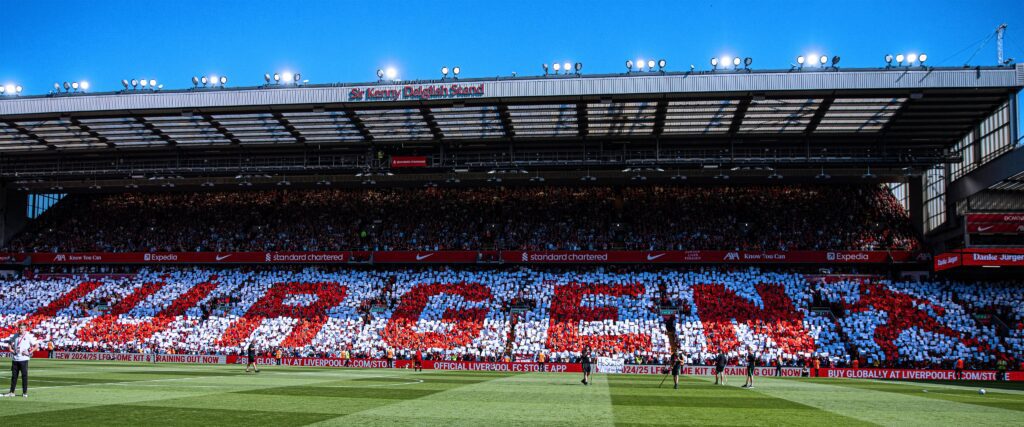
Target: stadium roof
{"x": 890, "y": 117}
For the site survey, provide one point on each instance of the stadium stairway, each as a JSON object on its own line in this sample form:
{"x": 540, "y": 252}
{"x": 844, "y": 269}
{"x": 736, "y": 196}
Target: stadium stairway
{"x": 670, "y": 330}
{"x": 511, "y": 334}
{"x": 668, "y": 322}
{"x": 844, "y": 338}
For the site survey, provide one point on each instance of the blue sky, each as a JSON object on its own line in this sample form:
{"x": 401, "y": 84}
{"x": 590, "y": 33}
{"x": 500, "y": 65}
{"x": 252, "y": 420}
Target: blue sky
{"x": 338, "y": 41}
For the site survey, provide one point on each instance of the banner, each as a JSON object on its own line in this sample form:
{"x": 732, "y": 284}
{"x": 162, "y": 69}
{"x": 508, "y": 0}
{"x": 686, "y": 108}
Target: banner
{"x": 995, "y": 228}
{"x": 696, "y": 370}
{"x": 682, "y": 257}
{"x": 912, "y": 374}
{"x": 312, "y": 362}
{"x": 445, "y": 365}
{"x": 610, "y": 365}
{"x": 988, "y": 259}
{"x": 947, "y": 261}
{"x": 980, "y": 257}
{"x": 140, "y": 357}
{"x": 996, "y": 218}
{"x": 408, "y": 257}
{"x": 190, "y": 258}
{"x": 470, "y": 257}
{"x": 995, "y": 223}
{"x": 408, "y": 162}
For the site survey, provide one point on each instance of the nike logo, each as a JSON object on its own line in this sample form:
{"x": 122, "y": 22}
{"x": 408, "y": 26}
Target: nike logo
{"x": 222, "y": 257}
{"x": 654, "y": 257}
{"x": 984, "y": 229}
{"x": 423, "y": 257}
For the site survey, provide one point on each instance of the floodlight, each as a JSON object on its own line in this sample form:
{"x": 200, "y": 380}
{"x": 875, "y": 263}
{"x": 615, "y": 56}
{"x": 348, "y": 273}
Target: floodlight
{"x": 152, "y": 84}
{"x": 124, "y": 83}
{"x": 899, "y": 58}
{"x": 277, "y": 77}
{"x": 266, "y": 77}
{"x": 747, "y": 61}
{"x": 557, "y": 67}
{"x": 195, "y": 81}
{"x": 223, "y": 81}
{"x": 579, "y": 67}
{"x": 143, "y": 82}
{"x": 444, "y": 71}
{"x": 456, "y": 70}
{"x": 800, "y": 60}
{"x": 288, "y": 77}
{"x": 629, "y": 65}
{"x": 911, "y": 58}
{"x": 566, "y": 66}
{"x": 392, "y": 73}
{"x": 922, "y": 57}
{"x": 823, "y": 59}
{"x": 714, "y": 62}
{"x": 74, "y": 85}
{"x": 650, "y": 64}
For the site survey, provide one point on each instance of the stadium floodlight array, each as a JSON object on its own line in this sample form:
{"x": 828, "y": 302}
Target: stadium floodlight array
{"x": 284, "y": 78}
{"x": 910, "y": 59}
{"x": 10, "y": 89}
{"x": 135, "y": 84}
{"x": 71, "y": 86}
{"x": 565, "y": 67}
{"x": 640, "y": 65}
{"x": 725, "y": 61}
{"x": 390, "y": 72}
{"x": 211, "y": 81}
{"x": 444, "y": 72}
{"x": 821, "y": 60}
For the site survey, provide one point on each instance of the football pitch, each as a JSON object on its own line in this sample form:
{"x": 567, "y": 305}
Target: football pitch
{"x": 73, "y": 393}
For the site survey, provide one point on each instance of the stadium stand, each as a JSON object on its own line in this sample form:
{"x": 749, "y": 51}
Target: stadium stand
{"x": 836, "y": 217}
{"x": 490, "y": 313}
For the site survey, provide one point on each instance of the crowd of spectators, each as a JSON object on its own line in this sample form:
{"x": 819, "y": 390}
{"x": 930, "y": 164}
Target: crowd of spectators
{"x": 836, "y": 217}
{"x": 475, "y": 313}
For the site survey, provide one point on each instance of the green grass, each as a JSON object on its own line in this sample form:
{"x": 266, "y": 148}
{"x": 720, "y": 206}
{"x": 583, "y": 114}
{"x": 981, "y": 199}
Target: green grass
{"x": 75, "y": 393}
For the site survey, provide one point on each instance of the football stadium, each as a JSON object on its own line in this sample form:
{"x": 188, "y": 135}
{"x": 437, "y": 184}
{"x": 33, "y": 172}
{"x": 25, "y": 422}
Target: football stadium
{"x": 825, "y": 242}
